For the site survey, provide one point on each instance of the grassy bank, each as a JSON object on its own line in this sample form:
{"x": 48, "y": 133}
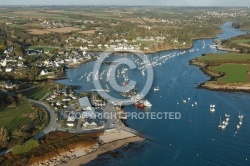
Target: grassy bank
{"x": 221, "y": 58}
{"x": 228, "y": 71}
{"x": 234, "y": 73}
{"x": 40, "y": 91}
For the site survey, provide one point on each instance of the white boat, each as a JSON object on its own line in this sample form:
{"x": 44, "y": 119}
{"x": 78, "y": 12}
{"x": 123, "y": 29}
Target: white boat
{"x": 240, "y": 122}
{"x": 227, "y": 116}
{"x": 226, "y": 123}
{"x": 227, "y": 119}
{"x": 147, "y": 103}
{"x": 156, "y": 88}
{"x": 212, "y": 108}
{"x": 238, "y": 126}
{"x": 240, "y": 116}
{"x": 223, "y": 126}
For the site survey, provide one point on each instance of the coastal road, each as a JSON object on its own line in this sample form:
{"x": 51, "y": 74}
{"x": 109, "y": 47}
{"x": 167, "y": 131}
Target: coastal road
{"x": 7, "y": 93}
{"x": 112, "y": 122}
{"x": 52, "y": 119}
{"x": 51, "y": 127}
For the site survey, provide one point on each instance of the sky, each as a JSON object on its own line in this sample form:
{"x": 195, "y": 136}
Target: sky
{"x": 130, "y": 2}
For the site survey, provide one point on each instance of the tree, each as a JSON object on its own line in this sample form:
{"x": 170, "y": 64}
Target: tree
{"x": 10, "y": 100}
{"x": 4, "y": 137}
{"x": 20, "y": 97}
{"x": 18, "y": 133}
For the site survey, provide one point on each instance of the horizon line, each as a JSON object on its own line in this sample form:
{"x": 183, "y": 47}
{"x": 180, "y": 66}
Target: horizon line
{"x": 78, "y": 5}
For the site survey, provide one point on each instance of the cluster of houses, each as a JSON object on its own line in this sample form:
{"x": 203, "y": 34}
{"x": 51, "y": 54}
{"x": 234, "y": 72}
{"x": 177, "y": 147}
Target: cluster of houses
{"x": 223, "y": 14}
{"x": 116, "y": 44}
{"x": 53, "y": 24}
{"x": 7, "y": 85}
{"x": 8, "y": 63}
{"x": 16, "y": 64}
{"x": 85, "y": 114}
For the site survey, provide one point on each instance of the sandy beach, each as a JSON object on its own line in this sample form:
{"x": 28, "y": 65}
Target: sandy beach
{"x": 110, "y": 140}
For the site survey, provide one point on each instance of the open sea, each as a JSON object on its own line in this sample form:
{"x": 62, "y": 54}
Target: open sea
{"x": 195, "y": 138}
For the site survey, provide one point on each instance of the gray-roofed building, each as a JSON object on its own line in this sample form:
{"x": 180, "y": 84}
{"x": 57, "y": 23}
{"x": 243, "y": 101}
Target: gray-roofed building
{"x": 84, "y": 103}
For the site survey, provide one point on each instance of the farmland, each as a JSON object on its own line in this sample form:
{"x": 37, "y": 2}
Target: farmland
{"x": 225, "y": 68}
{"x": 233, "y": 73}
{"x": 39, "y": 92}
{"x": 225, "y": 58}
{"x": 20, "y": 116}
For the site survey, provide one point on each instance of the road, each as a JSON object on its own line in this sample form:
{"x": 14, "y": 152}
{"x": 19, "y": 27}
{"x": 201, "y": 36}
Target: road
{"x": 112, "y": 122}
{"x": 51, "y": 127}
{"x": 52, "y": 119}
{"x": 109, "y": 113}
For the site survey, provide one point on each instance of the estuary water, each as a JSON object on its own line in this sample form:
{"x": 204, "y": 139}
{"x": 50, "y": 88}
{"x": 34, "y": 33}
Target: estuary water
{"x": 195, "y": 138}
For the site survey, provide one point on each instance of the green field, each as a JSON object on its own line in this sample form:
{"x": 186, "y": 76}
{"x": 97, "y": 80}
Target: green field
{"x": 39, "y": 92}
{"x": 247, "y": 41}
{"x": 44, "y": 48}
{"x": 226, "y": 58}
{"x": 234, "y": 73}
{"x": 12, "y": 118}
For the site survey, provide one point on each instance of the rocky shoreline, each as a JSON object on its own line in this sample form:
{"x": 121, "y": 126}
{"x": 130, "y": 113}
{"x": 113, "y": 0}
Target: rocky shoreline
{"x": 81, "y": 154}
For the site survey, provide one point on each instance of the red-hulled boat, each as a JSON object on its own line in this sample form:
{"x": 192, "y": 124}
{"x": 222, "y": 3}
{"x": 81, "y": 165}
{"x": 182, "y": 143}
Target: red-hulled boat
{"x": 139, "y": 105}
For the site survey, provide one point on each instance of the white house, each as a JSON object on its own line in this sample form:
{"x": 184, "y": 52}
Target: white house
{"x": 43, "y": 73}
{"x": 70, "y": 121}
{"x": 8, "y": 70}
{"x": 4, "y": 63}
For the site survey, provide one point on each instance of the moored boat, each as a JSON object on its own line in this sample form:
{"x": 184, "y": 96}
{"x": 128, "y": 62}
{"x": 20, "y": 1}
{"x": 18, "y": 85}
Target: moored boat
{"x": 139, "y": 105}
{"x": 156, "y": 88}
{"x": 147, "y": 103}
{"x": 212, "y": 108}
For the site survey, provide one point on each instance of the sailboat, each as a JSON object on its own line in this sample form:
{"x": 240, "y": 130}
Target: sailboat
{"x": 212, "y": 108}
{"x": 238, "y": 126}
{"x": 220, "y": 123}
{"x": 240, "y": 116}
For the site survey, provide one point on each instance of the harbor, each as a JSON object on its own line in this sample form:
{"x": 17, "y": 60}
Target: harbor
{"x": 177, "y": 92}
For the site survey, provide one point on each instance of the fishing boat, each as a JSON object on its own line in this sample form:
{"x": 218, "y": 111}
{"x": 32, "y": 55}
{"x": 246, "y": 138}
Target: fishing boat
{"x": 139, "y": 104}
{"x": 136, "y": 98}
{"x": 147, "y": 103}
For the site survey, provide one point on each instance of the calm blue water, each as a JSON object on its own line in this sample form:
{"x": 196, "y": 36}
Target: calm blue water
{"x": 194, "y": 139}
